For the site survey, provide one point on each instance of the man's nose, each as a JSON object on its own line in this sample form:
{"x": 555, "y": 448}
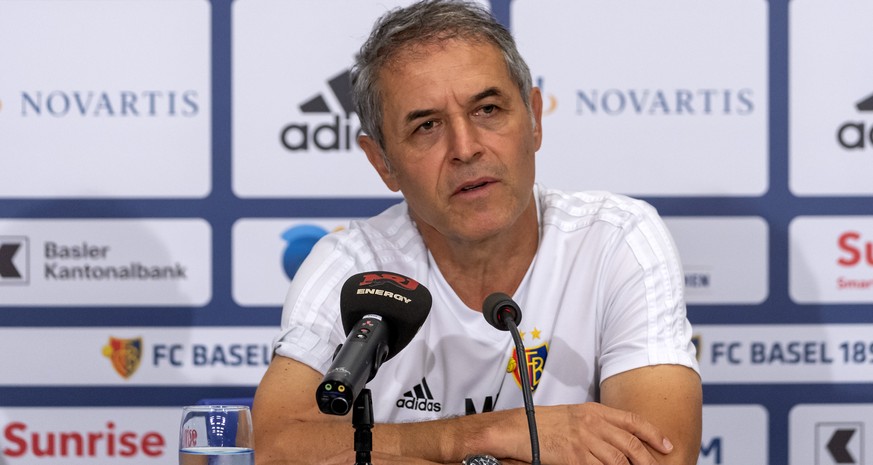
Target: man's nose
{"x": 464, "y": 140}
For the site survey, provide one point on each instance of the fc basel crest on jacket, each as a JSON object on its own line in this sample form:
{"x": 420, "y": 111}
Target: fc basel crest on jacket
{"x": 536, "y": 363}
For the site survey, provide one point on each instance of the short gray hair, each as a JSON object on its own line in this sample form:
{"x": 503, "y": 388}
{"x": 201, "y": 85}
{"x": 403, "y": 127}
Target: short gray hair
{"x": 426, "y": 22}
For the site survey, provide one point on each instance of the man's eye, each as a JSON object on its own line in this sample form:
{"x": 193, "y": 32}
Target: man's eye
{"x": 487, "y": 110}
{"x": 427, "y": 125}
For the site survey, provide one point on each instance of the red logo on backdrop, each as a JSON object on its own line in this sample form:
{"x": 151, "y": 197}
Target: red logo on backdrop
{"x": 125, "y": 354}
{"x": 381, "y": 278}
{"x": 856, "y": 250}
{"x": 26, "y": 440}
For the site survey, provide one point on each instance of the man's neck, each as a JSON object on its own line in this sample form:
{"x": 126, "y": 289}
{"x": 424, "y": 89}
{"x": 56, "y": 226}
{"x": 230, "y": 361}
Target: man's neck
{"x": 474, "y": 270}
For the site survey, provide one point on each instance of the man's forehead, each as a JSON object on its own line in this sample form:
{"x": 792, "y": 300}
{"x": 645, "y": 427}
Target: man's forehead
{"x": 421, "y": 49}
{"x": 475, "y": 72}
{"x": 413, "y": 54}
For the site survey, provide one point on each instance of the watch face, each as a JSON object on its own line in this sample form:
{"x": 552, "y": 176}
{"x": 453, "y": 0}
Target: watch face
{"x": 481, "y": 460}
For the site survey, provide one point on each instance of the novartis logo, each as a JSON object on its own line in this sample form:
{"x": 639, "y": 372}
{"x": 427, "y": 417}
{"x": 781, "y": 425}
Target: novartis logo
{"x": 662, "y": 101}
{"x": 95, "y": 103}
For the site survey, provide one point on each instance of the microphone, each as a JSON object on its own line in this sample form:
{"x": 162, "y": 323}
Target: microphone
{"x": 499, "y": 309}
{"x": 381, "y": 313}
{"x": 501, "y": 312}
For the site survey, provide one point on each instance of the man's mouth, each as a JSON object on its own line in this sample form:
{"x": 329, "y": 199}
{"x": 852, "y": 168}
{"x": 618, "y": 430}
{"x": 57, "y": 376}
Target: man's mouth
{"x": 473, "y": 186}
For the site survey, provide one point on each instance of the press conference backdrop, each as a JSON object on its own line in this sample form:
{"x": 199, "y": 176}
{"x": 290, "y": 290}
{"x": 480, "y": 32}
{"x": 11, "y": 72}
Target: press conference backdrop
{"x": 166, "y": 165}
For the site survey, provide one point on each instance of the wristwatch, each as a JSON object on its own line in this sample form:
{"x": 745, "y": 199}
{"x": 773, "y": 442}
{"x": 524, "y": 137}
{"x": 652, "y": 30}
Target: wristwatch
{"x": 480, "y": 460}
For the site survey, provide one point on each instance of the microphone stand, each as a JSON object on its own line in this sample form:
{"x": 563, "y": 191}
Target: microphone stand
{"x": 526, "y": 391}
{"x": 362, "y": 420}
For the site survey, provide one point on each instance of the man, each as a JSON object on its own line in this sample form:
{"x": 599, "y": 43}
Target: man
{"x": 453, "y": 123}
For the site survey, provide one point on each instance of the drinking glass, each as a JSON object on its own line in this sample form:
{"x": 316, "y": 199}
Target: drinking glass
{"x": 216, "y": 435}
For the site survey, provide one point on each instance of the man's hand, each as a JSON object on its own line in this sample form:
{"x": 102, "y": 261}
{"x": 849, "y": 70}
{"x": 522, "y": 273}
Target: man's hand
{"x": 650, "y": 415}
{"x": 640, "y": 409}
{"x": 590, "y": 433}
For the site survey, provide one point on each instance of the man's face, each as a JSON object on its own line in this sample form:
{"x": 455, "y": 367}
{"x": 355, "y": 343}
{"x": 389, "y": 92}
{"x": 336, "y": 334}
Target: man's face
{"x": 458, "y": 138}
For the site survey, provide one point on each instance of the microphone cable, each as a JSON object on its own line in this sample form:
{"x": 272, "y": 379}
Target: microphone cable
{"x": 504, "y": 314}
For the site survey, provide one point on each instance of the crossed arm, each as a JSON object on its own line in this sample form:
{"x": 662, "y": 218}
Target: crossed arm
{"x": 647, "y": 416}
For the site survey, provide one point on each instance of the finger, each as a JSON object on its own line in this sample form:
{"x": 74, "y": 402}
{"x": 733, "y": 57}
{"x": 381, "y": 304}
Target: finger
{"x": 590, "y": 459}
{"x": 620, "y": 447}
{"x": 342, "y": 458}
{"x": 645, "y": 431}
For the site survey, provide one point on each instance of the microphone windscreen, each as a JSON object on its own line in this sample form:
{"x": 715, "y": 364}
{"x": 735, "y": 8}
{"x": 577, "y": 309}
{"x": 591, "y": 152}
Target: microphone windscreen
{"x": 497, "y": 303}
{"x": 402, "y": 302}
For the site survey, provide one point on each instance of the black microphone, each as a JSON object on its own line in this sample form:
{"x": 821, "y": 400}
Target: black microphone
{"x": 504, "y": 314}
{"x": 381, "y": 312}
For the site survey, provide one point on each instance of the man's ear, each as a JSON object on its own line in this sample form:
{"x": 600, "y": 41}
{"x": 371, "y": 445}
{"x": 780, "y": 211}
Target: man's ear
{"x": 536, "y": 105}
{"x": 377, "y": 159}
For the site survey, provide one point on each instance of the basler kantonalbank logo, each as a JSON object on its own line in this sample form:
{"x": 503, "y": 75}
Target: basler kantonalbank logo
{"x": 14, "y": 260}
{"x": 324, "y": 129}
{"x": 855, "y": 135}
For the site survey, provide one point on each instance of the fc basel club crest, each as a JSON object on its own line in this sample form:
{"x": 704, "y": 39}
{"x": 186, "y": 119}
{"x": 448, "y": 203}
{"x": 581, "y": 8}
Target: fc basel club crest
{"x": 125, "y": 354}
{"x": 536, "y": 363}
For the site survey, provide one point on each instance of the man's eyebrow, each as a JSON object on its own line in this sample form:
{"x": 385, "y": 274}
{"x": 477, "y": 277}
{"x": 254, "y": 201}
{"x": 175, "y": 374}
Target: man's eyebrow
{"x": 416, "y": 114}
{"x": 489, "y": 92}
